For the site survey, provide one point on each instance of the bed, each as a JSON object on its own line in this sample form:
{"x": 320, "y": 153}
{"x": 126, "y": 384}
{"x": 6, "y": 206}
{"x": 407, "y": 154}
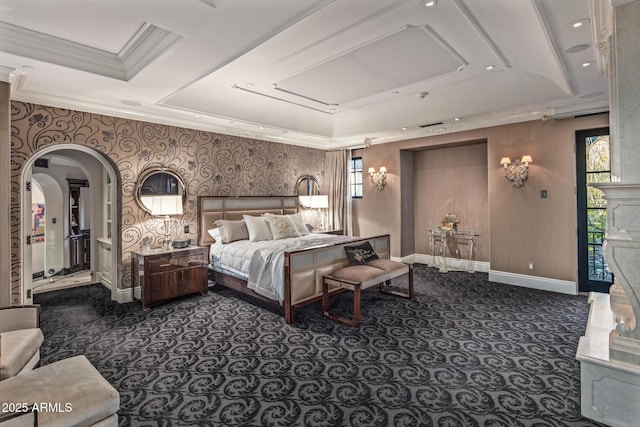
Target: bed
{"x": 297, "y": 266}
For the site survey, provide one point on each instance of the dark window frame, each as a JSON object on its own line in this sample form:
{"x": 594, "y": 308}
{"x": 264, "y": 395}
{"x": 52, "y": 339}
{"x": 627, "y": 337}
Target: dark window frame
{"x": 353, "y": 173}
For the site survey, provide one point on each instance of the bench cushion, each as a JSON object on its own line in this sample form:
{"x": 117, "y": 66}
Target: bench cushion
{"x": 17, "y": 348}
{"x": 389, "y": 266}
{"x": 357, "y": 273}
{"x": 369, "y": 275}
{"x": 73, "y": 381}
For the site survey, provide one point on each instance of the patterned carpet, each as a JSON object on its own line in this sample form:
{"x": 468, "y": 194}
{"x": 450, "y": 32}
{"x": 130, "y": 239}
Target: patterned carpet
{"x": 464, "y": 352}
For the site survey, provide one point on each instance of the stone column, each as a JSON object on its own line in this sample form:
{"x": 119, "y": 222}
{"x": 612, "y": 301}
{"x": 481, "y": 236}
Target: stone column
{"x": 622, "y": 245}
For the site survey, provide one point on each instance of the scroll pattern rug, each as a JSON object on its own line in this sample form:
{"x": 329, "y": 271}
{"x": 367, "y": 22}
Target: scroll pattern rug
{"x": 463, "y": 352}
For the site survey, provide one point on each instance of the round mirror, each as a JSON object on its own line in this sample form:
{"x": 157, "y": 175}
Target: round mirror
{"x": 153, "y": 187}
{"x": 306, "y": 186}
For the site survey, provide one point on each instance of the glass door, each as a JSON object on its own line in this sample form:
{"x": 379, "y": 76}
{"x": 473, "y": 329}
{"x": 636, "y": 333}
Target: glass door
{"x": 592, "y": 165}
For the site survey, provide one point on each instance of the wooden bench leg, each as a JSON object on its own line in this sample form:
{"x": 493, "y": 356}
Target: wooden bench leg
{"x": 356, "y": 306}
{"x": 355, "y": 322}
{"x": 408, "y": 294}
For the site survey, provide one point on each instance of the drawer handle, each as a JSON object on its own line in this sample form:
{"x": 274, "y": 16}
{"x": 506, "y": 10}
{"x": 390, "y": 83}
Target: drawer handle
{"x": 165, "y": 265}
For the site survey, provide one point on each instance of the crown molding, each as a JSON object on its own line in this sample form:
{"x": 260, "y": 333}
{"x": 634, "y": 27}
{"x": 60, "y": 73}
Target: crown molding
{"x": 6, "y": 73}
{"x": 145, "y": 46}
{"x": 617, "y": 3}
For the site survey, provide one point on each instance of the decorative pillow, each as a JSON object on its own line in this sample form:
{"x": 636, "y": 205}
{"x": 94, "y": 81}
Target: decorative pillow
{"x": 360, "y": 254}
{"x": 299, "y": 223}
{"x": 258, "y": 228}
{"x": 281, "y": 226}
{"x": 230, "y": 231}
{"x": 215, "y": 234}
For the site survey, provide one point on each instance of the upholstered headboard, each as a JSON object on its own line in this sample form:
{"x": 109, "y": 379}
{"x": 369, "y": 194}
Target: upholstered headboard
{"x": 211, "y": 209}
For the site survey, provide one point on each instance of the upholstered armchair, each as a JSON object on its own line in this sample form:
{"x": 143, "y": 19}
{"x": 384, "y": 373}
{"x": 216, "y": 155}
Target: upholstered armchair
{"x": 20, "y": 339}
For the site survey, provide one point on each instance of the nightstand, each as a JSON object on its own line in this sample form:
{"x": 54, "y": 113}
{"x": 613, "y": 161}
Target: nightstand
{"x": 166, "y": 274}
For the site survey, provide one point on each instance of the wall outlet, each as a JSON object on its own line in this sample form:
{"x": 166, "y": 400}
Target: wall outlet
{"x": 530, "y": 265}
{"x": 186, "y": 229}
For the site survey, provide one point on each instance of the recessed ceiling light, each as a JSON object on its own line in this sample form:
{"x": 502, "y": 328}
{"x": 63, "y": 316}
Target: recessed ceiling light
{"x": 430, "y": 3}
{"x": 332, "y": 110}
{"x": 404, "y": 128}
{"x": 261, "y": 127}
{"x": 490, "y": 67}
{"x": 130, "y": 102}
{"x": 587, "y": 64}
{"x": 580, "y": 23}
{"x": 577, "y": 48}
{"x": 456, "y": 119}
{"x": 250, "y": 85}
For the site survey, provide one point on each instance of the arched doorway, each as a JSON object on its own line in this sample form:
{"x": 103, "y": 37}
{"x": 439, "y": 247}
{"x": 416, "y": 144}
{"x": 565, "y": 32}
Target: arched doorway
{"x": 100, "y": 173}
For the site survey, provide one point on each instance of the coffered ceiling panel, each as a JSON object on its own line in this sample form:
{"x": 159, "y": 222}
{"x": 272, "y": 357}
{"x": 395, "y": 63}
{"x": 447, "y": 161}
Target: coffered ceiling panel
{"x": 405, "y": 57}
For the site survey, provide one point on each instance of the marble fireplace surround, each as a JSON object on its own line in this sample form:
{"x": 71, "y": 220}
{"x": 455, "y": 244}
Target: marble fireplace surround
{"x": 211, "y": 164}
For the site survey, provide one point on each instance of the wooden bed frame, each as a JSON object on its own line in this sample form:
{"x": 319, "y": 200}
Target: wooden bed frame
{"x": 303, "y": 269}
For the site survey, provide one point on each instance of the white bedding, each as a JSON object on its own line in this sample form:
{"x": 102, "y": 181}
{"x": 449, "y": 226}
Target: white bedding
{"x": 261, "y": 264}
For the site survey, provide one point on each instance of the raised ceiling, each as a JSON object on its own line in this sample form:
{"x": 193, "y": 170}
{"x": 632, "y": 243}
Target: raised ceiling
{"x": 319, "y": 73}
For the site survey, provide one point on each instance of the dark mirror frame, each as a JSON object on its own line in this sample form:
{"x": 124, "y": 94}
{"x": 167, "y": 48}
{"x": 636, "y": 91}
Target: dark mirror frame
{"x": 159, "y": 181}
{"x": 309, "y": 181}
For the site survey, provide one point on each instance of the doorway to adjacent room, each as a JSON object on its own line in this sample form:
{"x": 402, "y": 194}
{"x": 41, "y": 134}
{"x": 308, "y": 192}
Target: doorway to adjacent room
{"x": 593, "y": 165}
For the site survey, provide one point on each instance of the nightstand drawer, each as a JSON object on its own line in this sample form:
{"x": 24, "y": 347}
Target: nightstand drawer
{"x": 163, "y": 275}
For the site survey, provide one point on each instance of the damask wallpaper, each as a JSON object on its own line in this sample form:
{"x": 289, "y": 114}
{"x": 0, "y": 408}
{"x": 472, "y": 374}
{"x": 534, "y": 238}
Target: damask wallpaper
{"x": 210, "y": 164}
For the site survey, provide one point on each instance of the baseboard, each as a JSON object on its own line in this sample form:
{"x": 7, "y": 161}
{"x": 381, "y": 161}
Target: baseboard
{"x": 125, "y": 295}
{"x": 452, "y": 263}
{"x": 534, "y": 282}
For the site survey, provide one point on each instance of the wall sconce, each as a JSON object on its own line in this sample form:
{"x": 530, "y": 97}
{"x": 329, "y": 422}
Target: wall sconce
{"x": 378, "y": 178}
{"x": 518, "y": 172}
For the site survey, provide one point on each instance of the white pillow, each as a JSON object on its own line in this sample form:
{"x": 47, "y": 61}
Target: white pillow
{"x": 299, "y": 223}
{"x": 230, "y": 231}
{"x": 215, "y": 234}
{"x": 258, "y": 228}
{"x": 281, "y": 226}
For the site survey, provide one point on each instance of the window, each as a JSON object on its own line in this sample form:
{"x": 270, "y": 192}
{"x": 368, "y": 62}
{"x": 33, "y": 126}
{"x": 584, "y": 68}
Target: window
{"x": 356, "y": 178}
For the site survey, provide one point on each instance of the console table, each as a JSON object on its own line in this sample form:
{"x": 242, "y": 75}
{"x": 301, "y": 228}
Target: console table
{"x": 448, "y": 240}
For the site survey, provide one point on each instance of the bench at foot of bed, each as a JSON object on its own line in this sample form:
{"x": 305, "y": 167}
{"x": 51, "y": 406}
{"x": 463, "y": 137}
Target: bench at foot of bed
{"x": 357, "y": 278}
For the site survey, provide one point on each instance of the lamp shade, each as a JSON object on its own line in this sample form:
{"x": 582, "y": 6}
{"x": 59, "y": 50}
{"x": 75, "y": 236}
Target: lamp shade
{"x": 505, "y": 161}
{"x": 383, "y": 169}
{"x": 166, "y": 205}
{"x": 319, "y": 201}
{"x": 526, "y": 159}
{"x": 372, "y": 170}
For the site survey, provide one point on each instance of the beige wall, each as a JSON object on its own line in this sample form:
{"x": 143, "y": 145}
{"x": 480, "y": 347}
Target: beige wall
{"x": 522, "y": 227}
{"x": 209, "y": 163}
{"x": 452, "y": 180}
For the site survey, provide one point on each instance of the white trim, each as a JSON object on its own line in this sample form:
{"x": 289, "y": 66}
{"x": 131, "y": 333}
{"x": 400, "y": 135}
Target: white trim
{"x": 125, "y": 295}
{"x": 452, "y": 263}
{"x": 618, "y": 3}
{"x": 5, "y": 73}
{"x": 147, "y": 44}
{"x": 534, "y": 282}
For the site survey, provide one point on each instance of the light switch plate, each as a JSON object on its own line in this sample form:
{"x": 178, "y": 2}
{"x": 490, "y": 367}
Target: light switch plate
{"x": 543, "y": 194}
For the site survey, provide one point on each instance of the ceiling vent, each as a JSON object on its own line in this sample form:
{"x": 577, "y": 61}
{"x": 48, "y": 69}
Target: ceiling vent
{"x": 430, "y": 124}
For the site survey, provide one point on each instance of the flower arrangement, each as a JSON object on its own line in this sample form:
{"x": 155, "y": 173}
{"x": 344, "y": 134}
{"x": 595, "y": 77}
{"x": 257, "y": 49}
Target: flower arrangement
{"x": 449, "y": 222}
